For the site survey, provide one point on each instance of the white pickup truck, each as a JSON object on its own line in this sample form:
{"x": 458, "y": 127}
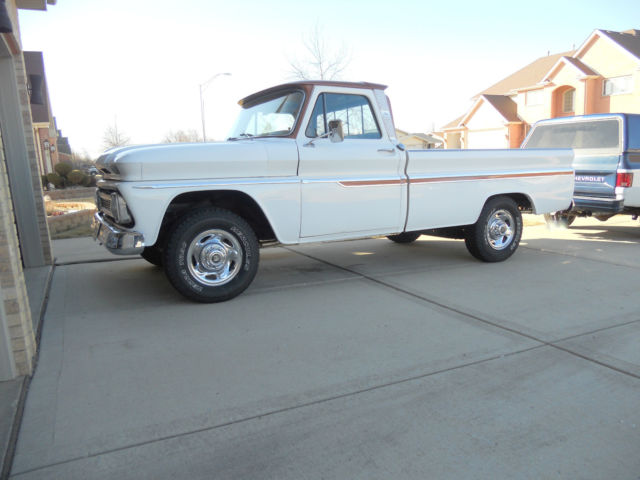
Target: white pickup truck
{"x": 307, "y": 162}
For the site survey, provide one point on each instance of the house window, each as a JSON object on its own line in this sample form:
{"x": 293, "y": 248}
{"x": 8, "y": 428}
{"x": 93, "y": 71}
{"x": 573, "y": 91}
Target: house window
{"x": 568, "y": 99}
{"x": 534, "y": 97}
{"x": 617, "y": 86}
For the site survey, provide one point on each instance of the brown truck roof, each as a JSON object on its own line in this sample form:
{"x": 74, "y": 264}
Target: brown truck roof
{"x": 307, "y": 86}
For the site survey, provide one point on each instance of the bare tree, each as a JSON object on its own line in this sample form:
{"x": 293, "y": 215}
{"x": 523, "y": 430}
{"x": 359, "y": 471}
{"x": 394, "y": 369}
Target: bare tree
{"x": 321, "y": 61}
{"x": 181, "y": 136}
{"x": 113, "y": 137}
{"x": 81, "y": 158}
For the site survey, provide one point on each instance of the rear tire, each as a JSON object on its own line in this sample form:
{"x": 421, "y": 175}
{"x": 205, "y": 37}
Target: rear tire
{"x": 404, "y": 237}
{"x": 496, "y": 234}
{"x": 211, "y": 255}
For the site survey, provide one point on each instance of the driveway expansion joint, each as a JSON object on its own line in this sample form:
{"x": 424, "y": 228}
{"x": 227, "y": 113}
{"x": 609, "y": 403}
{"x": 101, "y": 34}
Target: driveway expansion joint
{"x": 579, "y": 257}
{"x": 279, "y": 411}
{"x": 472, "y": 316}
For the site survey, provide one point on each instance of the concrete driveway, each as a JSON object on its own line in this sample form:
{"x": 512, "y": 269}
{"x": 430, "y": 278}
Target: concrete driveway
{"x": 362, "y": 359}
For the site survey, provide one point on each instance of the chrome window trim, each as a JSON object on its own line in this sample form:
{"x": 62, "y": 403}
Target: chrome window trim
{"x": 228, "y": 183}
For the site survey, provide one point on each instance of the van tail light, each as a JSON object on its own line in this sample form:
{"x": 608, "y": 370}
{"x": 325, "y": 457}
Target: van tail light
{"x": 624, "y": 179}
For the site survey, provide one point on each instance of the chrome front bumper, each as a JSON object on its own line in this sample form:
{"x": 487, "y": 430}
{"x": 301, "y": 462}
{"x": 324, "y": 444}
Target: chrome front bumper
{"x": 116, "y": 240}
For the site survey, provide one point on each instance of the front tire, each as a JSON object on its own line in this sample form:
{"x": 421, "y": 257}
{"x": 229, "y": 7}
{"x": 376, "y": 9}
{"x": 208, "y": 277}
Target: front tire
{"x": 211, "y": 255}
{"x": 404, "y": 237}
{"x": 496, "y": 234}
{"x": 153, "y": 255}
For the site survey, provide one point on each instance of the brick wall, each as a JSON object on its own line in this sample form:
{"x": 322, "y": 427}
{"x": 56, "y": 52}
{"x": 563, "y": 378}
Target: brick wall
{"x": 13, "y": 293}
{"x": 62, "y": 223}
{"x": 21, "y": 77}
{"x": 72, "y": 193}
{"x": 12, "y": 287}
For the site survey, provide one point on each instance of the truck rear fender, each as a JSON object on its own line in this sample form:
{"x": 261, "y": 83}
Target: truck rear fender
{"x": 524, "y": 202}
{"x": 237, "y": 202}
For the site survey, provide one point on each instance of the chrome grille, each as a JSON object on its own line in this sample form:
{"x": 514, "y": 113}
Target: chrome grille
{"x": 104, "y": 202}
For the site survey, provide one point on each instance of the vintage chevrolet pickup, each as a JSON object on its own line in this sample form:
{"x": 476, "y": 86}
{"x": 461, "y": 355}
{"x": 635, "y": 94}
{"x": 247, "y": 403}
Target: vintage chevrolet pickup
{"x": 307, "y": 162}
{"x": 607, "y": 163}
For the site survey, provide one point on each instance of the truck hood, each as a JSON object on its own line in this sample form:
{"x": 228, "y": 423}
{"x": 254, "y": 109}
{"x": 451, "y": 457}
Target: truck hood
{"x": 185, "y": 161}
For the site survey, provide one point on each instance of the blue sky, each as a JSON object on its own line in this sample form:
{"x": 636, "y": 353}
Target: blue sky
{"x": 141, "y": 61}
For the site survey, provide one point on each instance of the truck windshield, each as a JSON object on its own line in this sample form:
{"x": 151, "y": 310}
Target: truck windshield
{"x": 596, "y": 134}
{"x": 274, "y": 116}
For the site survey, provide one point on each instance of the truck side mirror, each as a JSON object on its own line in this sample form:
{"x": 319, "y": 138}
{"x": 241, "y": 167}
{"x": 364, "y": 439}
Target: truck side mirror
{"x": 336, "y": 133}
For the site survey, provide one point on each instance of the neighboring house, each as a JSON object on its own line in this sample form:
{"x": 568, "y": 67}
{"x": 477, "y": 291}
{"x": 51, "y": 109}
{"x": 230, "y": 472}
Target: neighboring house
{"x": 24, "y": 235}
{"x": 45, "y": 131}
{"x": 601, "y": 76}
{"x": 64, "y": 149}
{"x": 419, "y": 140}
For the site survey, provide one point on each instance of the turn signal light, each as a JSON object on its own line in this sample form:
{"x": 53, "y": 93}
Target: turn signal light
{"x": 624, "y": 179}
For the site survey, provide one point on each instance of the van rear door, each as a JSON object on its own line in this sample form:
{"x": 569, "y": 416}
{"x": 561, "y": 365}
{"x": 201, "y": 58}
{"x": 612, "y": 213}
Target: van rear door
{"x": 597, "y": 142}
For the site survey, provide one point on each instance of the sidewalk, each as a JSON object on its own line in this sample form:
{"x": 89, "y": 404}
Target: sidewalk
{"x": 38, "y": 281}
{"x": 10, "y": 398}
{"x": 13, "y": 392}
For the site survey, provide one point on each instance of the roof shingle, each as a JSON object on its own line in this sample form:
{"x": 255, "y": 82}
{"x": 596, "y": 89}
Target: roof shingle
{"x": 629, "y": 40}
{"x": 525, "y": 77}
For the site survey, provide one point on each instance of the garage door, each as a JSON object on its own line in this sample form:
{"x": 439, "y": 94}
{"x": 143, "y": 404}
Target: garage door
{"x": 488, "y": 139}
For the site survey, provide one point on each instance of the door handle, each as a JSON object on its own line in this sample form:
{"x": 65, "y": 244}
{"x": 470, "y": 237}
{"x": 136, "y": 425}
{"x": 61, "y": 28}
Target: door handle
{"x": 387, "y": 150}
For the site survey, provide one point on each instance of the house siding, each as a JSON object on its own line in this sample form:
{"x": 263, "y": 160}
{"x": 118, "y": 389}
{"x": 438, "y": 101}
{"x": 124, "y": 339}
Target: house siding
{"x": 486, "y": 129}
{"x": 601, "y": 59}
{"x": 531, "y": 113}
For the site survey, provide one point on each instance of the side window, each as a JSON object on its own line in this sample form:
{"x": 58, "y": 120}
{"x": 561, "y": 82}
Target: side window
{"x": 355, "y": 111}
{"x": 318, "y": 121}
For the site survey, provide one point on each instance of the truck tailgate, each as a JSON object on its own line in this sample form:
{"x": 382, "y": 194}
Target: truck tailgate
{"x": 595, "y": 174}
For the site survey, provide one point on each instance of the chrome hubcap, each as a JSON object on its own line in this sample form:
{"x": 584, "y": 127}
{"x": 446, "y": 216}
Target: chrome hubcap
{"x": 500, "y": 230}
{"x": 214, "y": 257}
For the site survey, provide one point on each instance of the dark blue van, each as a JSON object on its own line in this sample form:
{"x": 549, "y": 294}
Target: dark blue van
{"x": 606, "y": 163}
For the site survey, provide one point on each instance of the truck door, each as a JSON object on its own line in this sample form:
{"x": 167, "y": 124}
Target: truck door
{"x": 354, "y": 186}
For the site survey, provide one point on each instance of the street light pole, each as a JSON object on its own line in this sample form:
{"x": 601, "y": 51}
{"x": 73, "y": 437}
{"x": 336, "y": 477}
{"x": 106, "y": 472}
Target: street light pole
{"x": 203, "y": 87}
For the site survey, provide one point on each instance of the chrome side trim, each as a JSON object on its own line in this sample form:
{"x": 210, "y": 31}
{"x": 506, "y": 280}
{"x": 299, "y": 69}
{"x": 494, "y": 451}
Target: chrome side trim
{"x": 382, "y": 182}
{"x": 355, "y": 182}
{"x": 492, "y": 176}
{"x": 372, "y": 183}
{"x": 225, "y": 183}
{"x": 359, "y": 182}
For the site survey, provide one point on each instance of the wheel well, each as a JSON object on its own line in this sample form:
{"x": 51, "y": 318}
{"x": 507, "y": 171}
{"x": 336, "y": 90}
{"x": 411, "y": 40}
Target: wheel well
{"x": 237, "y": 202}
{"x": 524, "y": 202}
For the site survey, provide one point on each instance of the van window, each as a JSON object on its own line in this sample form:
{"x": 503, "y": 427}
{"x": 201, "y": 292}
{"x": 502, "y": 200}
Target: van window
{"x": 633, "y": 132}
{"x": 596, "y": 134}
